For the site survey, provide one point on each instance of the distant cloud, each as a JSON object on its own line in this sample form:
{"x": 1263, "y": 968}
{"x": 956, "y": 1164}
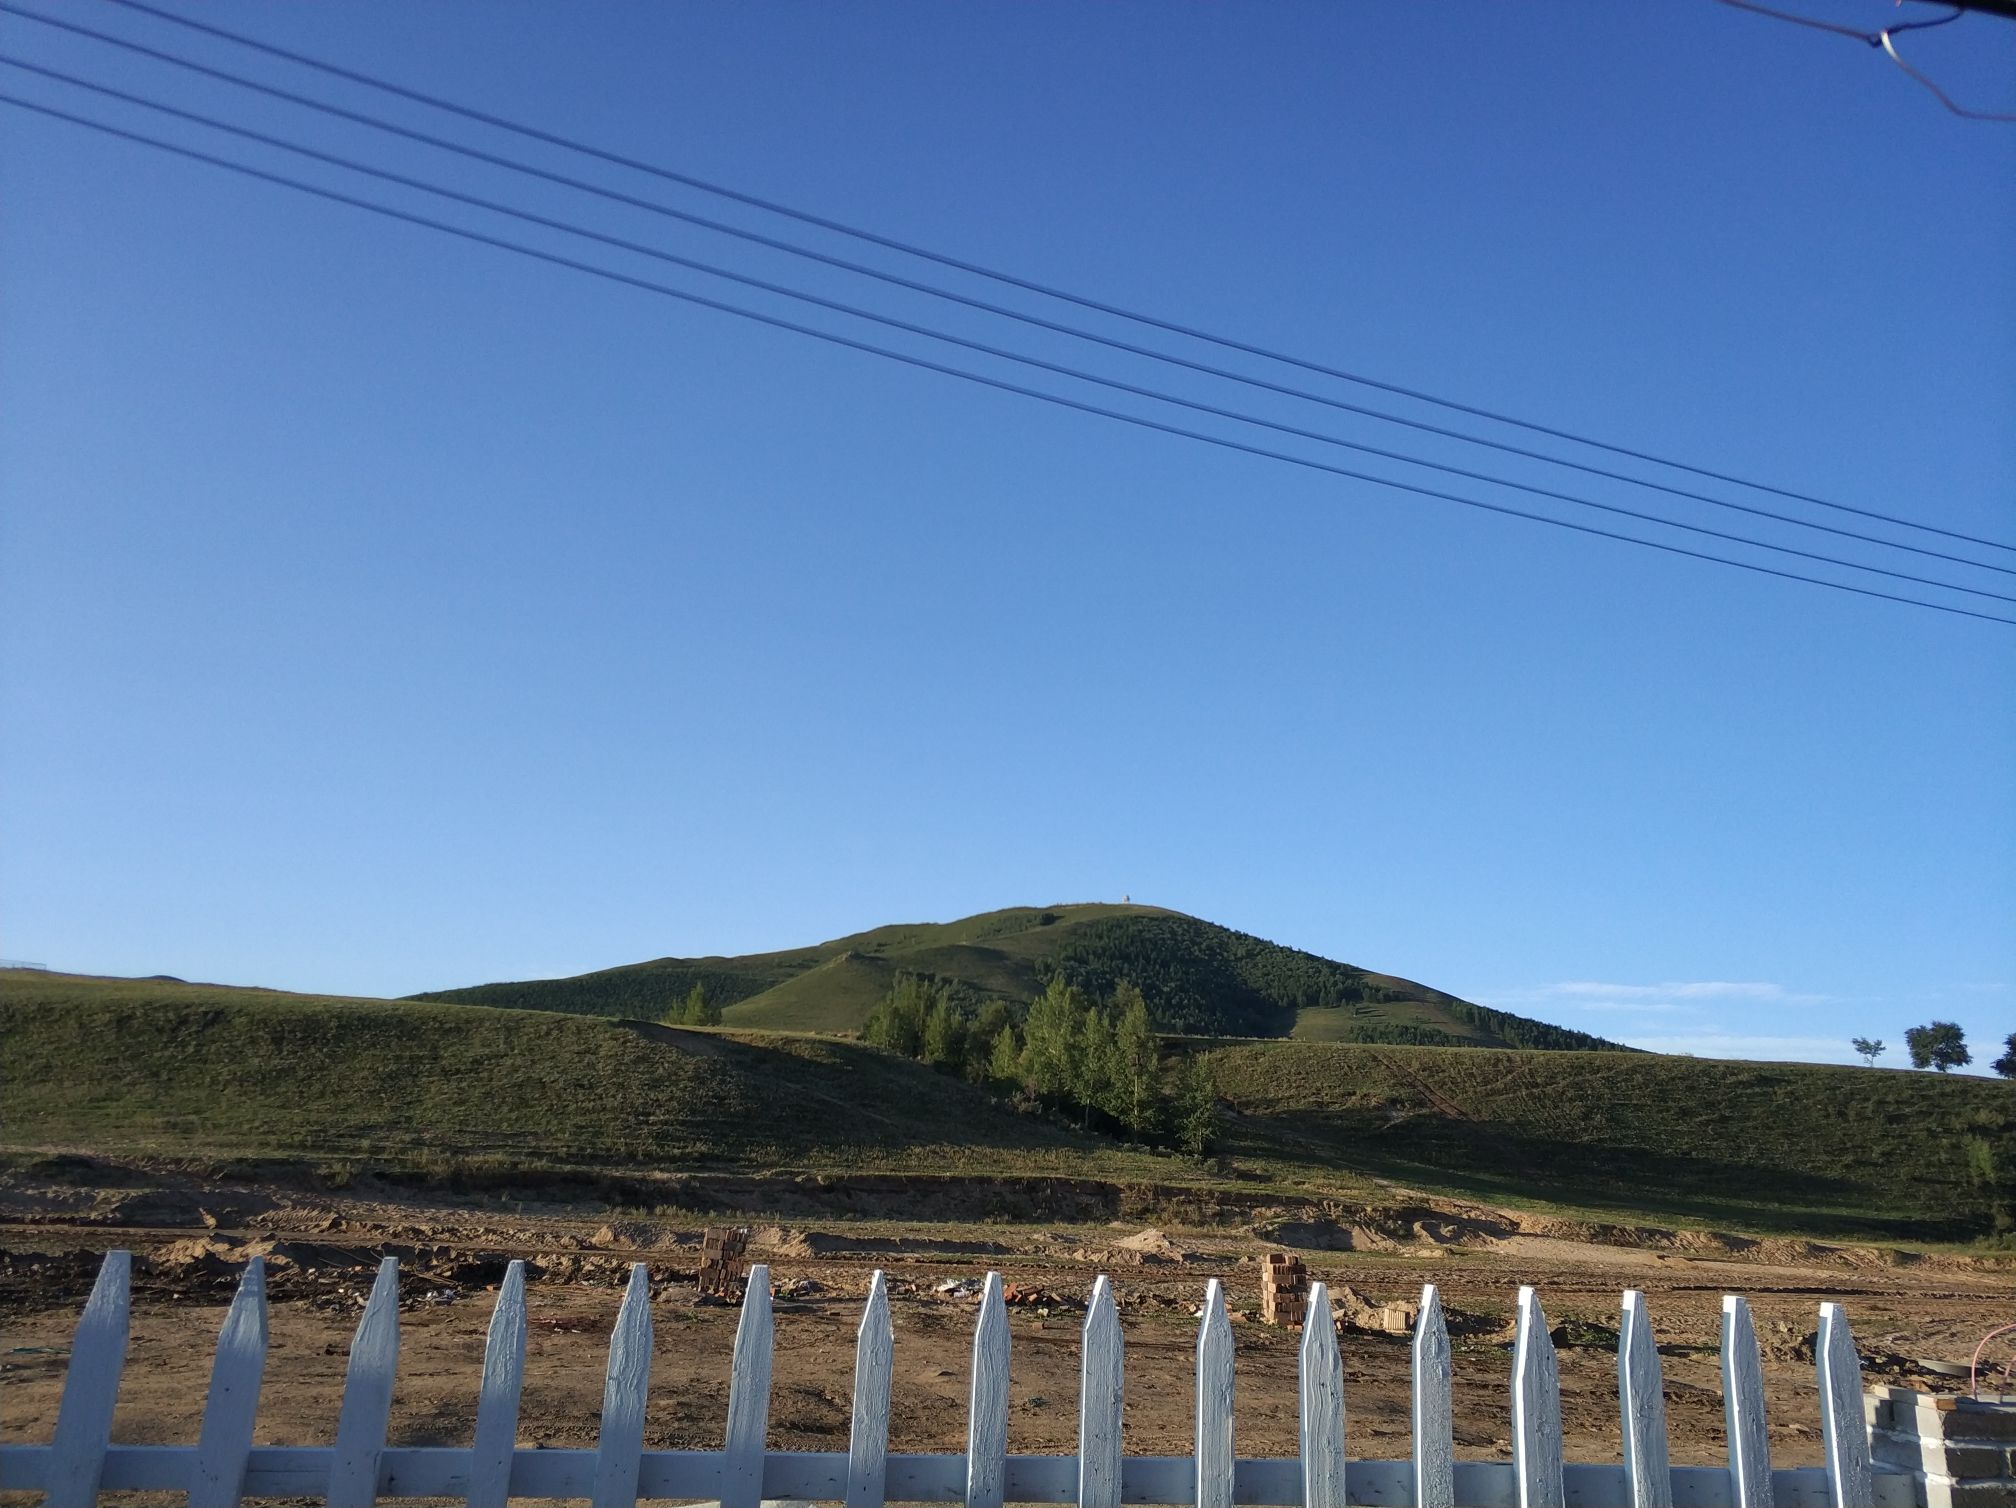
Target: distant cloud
{"x": 1715, "y": 1044}
{"x": 1692, "y": 999}
{"x": 1682, "y": 989}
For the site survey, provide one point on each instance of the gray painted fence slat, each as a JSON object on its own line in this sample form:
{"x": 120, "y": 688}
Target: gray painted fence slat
{"x": 1433, "y": 1420}
{"x": 367, "y": 1395}
{"x": 1536, "y": 1410}
{"x": 1322, "y": 1379}
{"x": 1214, "y": 1402}
{"x": 1641, "y": 1406}
{"x": 987, "y": 1419}
{"x": 748, "y": 1397}
{"x": 1849, "y": 1472}
{"x": 225, "y": 1443}
{"x": 1101, "y": 1379}
{"x": 91, "y": 1387}
{"x": 868, "y": 1442}
{"x": 623, "y": 1392}
{"x": 1743, "y": 1408}
{"x": 496, "y": 1437}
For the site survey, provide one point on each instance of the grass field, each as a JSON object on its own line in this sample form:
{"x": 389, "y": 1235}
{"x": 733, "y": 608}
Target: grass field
{"x": 1758, "y": 1146}
{"x": 142, "y": 1067}
{"x": 152, "y": 1068}
{"x": 1197, "y": 977}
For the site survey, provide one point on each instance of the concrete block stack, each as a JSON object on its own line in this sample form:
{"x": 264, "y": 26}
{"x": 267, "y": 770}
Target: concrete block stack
{"x": 1962, "y": 1451}
{"x": 1284, "y": 1289}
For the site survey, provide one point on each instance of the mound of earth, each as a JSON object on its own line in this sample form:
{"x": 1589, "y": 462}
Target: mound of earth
{"x": 638, "y": 1235}
{"x": 786, "y": 1241}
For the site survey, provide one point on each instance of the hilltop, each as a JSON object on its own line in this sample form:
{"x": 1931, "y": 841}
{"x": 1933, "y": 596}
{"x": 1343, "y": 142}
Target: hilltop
{"x": 1200, "y": 979}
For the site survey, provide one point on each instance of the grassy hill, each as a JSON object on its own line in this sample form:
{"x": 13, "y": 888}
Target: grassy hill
{"x": 156, "y": 1068}
{"x": 1198, "y": 978}
{"x": 1757, "y": 1146}
{"x": 164, "y": 1068}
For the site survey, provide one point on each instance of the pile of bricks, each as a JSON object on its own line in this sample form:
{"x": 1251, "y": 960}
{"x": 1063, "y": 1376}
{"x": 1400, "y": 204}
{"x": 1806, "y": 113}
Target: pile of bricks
{"x": 724, "y": 1263}
{"x": 1284, "y": 1289}
{"x": 1961, "y": 1450}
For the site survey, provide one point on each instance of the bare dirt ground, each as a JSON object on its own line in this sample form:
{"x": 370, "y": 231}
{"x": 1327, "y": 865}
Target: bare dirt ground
{"x": 190, "y": 1241}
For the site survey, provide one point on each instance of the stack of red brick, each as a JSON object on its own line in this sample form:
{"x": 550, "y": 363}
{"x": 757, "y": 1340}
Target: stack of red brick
{"x": 724, "y": 1263}
{"x": 1284, "y": 1290}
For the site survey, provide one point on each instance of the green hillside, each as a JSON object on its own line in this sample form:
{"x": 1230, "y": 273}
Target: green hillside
{"x": 161, "y": 1068}
{"x": 164, "y": 1068}
{"x": 1198, "y": 978}
{"x": 1760, "y": 1146}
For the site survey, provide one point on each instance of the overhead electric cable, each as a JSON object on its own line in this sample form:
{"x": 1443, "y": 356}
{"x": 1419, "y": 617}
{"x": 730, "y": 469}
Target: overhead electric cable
{"x": 895, "y": 279}
{"x": 924, "y": 363}
{"x": 1055, "y": 368}
{"x": 1882, "y": 39}
{"x": 1012, "y": 280}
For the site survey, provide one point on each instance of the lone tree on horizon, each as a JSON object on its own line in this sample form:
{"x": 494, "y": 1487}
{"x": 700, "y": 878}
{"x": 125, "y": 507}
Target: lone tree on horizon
{"x": 1869, "y": 1050}
{"x": 2006, "y": 1064}
{"x": 1938, "y": 1044}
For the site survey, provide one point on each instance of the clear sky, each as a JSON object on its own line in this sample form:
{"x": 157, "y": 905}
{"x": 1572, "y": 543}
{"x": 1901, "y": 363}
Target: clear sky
{"x": 384, "y": 613}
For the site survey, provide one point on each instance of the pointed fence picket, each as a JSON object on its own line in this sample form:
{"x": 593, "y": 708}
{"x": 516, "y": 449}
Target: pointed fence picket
{"x": 868, "y": 1440}
{"x": 1743, "y": 1408}
{"x": 1641, "y": 1404}
{"x": 91, "y": 1388}
{"x": 1322, "y": 1376}
{"x": 225, "y": 1444}
{"x": 987, "y": 1419}
{"x": 367, "y": 1395}
{"x": 497, "y": 1405}
{"x": 1100, "y": 1402}
{"x": 1213, "y": 1486}
{"x": 1433, "y": 1421}
{"x": 1849, "y": 1471}
{"x": 224, "y": 1467}
{"x": 618, "y": 1451}
{"x": 1536, "y": 1410}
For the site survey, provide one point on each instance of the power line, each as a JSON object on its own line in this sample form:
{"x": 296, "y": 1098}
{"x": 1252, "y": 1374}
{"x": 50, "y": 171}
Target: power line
{"x": 1883, "y": 39}
{"x": 924, "y": 363}
{"x": 981, "y": 347}
{"x": 844, "y": 264}
{"x": 1029, "y": 285}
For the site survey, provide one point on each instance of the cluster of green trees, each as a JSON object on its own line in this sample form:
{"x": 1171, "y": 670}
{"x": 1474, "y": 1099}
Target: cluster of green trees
{"x": 1097, "y": 1061}
{"x": 695, "y": 1010}
{"x": 1941, "y": 1045}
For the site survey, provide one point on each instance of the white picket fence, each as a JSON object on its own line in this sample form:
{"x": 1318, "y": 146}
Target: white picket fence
{"x": 225, "y": 1466}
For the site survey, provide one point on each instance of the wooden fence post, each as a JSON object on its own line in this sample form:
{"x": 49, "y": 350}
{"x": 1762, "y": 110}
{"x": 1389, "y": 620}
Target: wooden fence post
{"x": 1536, "y": 1410}
{"x": 496, "y": 1440}
{"x": 868, "y": 1440}
{"x": 1214, "y": 1402}
{"x": 987, "y": 1418}
{"x": 367, "y": 1395}
{"x": 225, "y": 1443}
{"x": 91, "y": 1387}
{"x": 1433, "y": 1422}
{"x": 1743, "y": 1407}
{"x": 1322, "y": 1376}
{"x": 619, "y": 1451}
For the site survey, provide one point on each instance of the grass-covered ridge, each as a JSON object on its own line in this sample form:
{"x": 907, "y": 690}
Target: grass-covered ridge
{"x": 153, "y": 1068}
{"x": 1198, "y": 978}
{"x": 1762, "y": 1146}
{"x": 165, "y": 1068}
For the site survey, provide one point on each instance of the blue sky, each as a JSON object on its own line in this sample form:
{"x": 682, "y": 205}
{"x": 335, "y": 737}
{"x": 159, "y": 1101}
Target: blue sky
{"x": 385, "y": 613}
